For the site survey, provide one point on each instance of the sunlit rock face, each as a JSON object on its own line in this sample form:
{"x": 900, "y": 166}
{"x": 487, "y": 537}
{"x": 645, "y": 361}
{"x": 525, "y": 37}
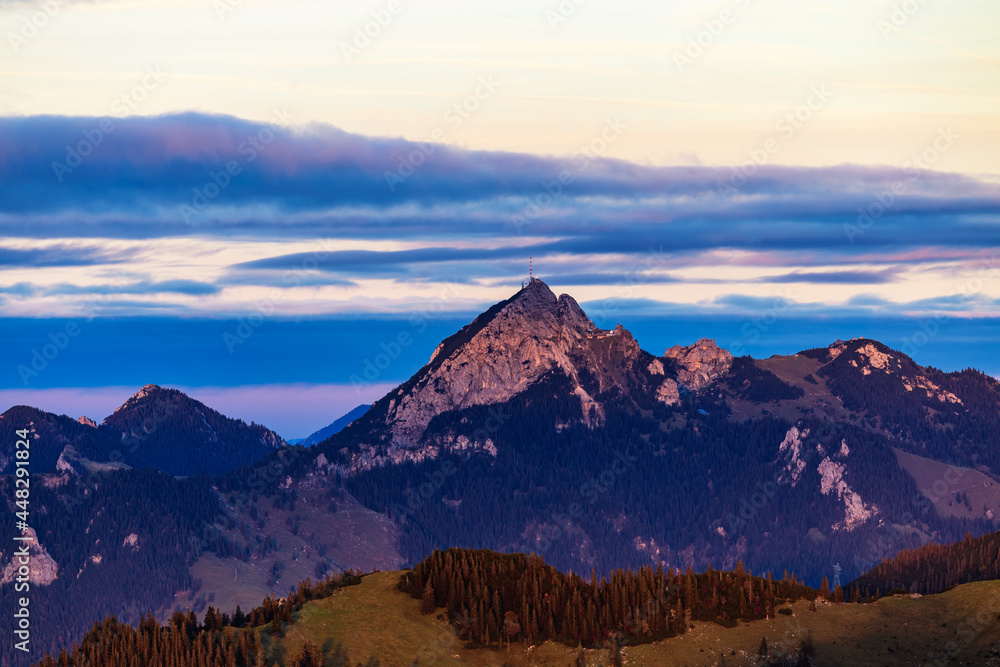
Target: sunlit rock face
{"x": 700, "y": 364}
{"x": 498, "y": 355}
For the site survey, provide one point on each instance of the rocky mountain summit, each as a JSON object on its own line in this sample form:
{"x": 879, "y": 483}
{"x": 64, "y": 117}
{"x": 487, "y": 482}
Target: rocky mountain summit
{"x": 496, "y": 356}
{"x": 506, "y": 350}
{"x": 44, "y": 570}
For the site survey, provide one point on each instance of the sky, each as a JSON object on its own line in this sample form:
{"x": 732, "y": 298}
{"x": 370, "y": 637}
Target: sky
{"x": 252, "y": 200}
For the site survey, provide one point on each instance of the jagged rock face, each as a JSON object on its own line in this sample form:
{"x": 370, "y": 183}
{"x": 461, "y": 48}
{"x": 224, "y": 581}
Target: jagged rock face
{"x": 86, "y": 421}
{"x": 668, "y": 393}
{"x": 700, "y": 364}
{"x": 797, "y": 452}
{"x": 68, "y": 460}
{"x": 870, "y": 357}
{"x": 495, "y": 357}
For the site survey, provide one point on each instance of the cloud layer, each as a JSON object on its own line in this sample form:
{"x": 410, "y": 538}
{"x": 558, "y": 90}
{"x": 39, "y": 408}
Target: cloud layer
{"x": 130, "y": 177}
{"x": 208, "y": 215}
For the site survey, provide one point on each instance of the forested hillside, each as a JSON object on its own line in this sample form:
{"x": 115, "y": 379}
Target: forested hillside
{"x": 933, "y": 568}
{"x": 219, "y": 640}
{"x": 116, "y": 543}
{"x": 492, "y": 597}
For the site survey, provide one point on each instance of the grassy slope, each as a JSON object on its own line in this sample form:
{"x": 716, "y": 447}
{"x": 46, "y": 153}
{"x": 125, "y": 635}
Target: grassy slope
{"x": 940, "y": 481}
{"x": 373, "y": 619}
{"x": 793, "y": 369}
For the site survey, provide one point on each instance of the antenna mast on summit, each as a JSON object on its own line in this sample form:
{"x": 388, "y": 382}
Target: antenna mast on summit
{"x": 531, "y": 275}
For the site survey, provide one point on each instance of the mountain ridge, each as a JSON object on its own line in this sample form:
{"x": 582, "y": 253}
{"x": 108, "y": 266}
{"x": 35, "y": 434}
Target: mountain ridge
{"x": 334, "y": 427}
{"x": 156, "y": 427}
{"x": 595, "y": 454}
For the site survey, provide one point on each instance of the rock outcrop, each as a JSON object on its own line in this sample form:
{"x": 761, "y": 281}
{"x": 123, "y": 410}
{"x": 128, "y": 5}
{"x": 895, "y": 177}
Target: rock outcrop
{"x": 69, "y": 461}
{"x": 700, "y": 364}
{"x": 43, "y": 570}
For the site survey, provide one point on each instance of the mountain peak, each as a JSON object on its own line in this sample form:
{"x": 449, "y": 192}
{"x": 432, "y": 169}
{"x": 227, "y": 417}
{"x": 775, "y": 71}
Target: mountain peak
{"x": 497, "y": 355}
{"x": 147, "y": 390}
{"x": 536, "y": 290}
{"x": 166, "y": 429}
{"x": 536, "y": 300}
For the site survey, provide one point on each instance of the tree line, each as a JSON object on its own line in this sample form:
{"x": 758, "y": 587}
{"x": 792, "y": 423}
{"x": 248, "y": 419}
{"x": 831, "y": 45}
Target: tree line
{"x": 491, "y": 597}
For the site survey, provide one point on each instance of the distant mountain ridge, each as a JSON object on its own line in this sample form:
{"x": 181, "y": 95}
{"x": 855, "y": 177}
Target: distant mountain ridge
{"x": 336, "y": 427}
{"x": 517, "y": 344}
{"x": 155, "y": 428}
